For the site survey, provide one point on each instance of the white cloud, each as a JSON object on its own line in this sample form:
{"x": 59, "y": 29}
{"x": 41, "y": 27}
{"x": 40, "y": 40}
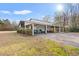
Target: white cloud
{"x": 5, "y": 11}
{"x": 22, "y": 12}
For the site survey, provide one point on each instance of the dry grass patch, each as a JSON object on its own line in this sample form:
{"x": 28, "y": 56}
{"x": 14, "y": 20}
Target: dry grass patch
{"x": 14, "y": 44}
{"x": 37, "y": 47}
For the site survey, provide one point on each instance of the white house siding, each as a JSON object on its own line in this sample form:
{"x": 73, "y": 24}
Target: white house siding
{"x": 48, "y": 28}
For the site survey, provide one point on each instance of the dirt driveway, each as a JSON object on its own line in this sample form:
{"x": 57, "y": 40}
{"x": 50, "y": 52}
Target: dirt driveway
{"x": 64, "y": 38}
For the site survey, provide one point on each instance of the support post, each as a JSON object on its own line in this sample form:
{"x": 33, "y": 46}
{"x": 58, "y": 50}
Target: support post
{"x": 46, "y": 29}
{"x": 54, "y": 29}
{"x": 25, "y": 25}
{"x": 32, "y": 29}
{"x": 59, "y": 29}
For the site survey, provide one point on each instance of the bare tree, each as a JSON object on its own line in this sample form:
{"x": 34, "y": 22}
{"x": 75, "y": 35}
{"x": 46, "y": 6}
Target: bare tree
{"x": 46, "y": 18}
{"x": 69, "y": 18}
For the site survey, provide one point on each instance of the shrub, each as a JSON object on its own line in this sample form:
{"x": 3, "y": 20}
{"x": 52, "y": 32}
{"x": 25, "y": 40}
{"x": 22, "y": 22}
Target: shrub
{"x": 24, "y": 31}
{"x": 19, "y": 30}
{"x": 28, "y": 31}
{"x": 74, "y": 30}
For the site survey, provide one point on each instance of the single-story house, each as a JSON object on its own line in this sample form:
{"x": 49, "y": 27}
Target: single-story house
{"x": 38, "y": 26}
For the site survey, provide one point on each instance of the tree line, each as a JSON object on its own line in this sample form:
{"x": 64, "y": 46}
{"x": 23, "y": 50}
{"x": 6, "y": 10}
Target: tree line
{"x": 6, "y": 25}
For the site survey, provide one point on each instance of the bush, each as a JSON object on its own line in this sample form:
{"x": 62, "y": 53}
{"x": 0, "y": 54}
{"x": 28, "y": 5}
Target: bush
{"x": 24, "y": 31}
{"x": 28, "y": 31}
{"x": 19, "y": 30}
{"x": 74, "y": 30}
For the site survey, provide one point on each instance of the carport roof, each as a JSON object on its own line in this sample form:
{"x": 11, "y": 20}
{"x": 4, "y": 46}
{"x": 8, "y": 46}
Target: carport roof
{"x": 37, "y": 22}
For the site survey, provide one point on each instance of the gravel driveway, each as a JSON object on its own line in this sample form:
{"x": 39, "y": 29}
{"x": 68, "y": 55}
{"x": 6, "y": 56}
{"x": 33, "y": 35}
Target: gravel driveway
{"x": 64, "y": 38}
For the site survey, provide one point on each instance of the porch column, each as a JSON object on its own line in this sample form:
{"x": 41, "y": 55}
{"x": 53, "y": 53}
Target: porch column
{"x": 32, "y": 29}
{"x": 46, "y": 29}
{"x": 59, "y": 29}
{"x": 54, "y": 29}
{"x": 25, "y": 25}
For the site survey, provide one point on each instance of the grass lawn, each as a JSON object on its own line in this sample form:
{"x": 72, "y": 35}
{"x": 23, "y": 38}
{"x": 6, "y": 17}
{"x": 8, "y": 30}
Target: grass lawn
{"x": 13, "y": 44}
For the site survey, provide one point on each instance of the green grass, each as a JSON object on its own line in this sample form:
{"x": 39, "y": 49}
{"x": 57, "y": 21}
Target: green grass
{"x": 34, "y": 47}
